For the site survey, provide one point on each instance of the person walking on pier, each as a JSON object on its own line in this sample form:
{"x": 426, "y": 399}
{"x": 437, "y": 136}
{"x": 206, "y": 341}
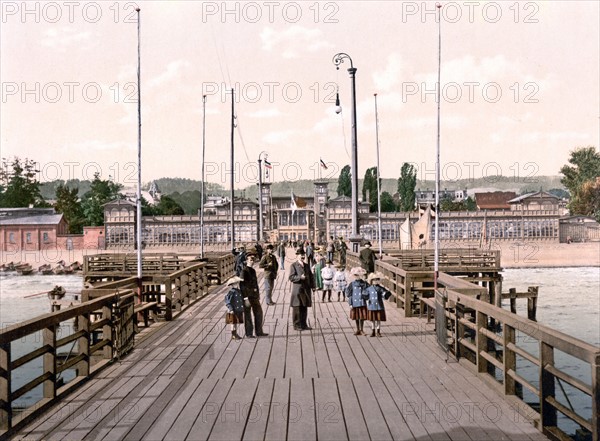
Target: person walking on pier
{"x": 367, "y": 258}
{"x": 251, "y": 295}
{"x": 342, "y": 251}
{"x": 234, "y": 302}
{"x": 281, "y": 255}
{"x": 375, "y": 305}
{"x": 303, "y": 285}
{"x": 357, "y": 297}
{"x": 270, "y": 266}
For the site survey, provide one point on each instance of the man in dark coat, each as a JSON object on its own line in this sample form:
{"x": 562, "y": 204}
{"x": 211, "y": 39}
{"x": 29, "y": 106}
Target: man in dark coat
{"x": 249, "y": 288}
{"x": 270, "y": 266}
{"x": 303, "y": 284}
{"x": 367, "y": 258}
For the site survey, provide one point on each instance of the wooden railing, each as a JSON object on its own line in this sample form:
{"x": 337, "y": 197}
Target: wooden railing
{"x": 456, "y": 259}
{"x": 487, "y": 338}
{"x": 104, "y": 330}
{"x": 96, "y": 342}
{"x": 497, "y": 344}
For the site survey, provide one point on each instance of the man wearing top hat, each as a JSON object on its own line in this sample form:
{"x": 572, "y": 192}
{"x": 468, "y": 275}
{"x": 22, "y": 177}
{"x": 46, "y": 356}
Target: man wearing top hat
{"x": 303, "y": 284}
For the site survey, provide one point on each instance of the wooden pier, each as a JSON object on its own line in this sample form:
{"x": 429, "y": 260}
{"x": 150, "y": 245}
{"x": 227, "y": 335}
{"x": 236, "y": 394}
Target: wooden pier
{"x": 186, "y": 379}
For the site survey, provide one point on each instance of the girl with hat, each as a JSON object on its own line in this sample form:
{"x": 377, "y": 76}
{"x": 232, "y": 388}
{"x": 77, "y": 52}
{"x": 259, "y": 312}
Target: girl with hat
{"x": 375, "y": 306}
{"x": 235, "y": 306}
{"x": 357, "y": 296}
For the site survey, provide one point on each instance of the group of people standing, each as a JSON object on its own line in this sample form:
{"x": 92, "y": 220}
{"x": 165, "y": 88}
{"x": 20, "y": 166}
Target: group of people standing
{"x": 365, "y": 296}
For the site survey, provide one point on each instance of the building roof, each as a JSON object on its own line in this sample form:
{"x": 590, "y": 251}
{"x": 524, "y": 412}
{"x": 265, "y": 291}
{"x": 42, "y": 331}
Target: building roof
{"x": 497, "y": 200}
{"x": 537, "y": 194}
{"x": 40, "y": 219}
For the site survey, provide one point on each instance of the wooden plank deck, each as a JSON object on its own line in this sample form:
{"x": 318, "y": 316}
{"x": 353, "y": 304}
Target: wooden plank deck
{"x": 190, "y": 381}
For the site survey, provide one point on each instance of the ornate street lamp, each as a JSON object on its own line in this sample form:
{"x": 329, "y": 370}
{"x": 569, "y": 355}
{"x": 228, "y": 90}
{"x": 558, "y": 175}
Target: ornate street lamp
{"x": 355, "y": 236}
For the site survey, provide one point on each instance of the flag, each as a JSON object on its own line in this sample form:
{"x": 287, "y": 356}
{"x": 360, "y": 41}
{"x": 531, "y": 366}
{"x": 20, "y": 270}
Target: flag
{"x": 293, "y": 204}
{"x": 323, "y": 164}
{"x": 268, "y": 164}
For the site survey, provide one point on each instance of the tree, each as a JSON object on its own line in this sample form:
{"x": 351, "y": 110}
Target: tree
{"x": 345, "y": 182}
{"x": 68, "y": 204}
{"x": 588, "y": 201}
{"x": 167, "y": 206}
{"x": 585, "y": 168}
{"x": 369, "y": 190}
{"x": 387, "y": 203}
{"x": 100, "y": 193}
{"x": 19, "y": 186}
{"x": 407, "y": 183}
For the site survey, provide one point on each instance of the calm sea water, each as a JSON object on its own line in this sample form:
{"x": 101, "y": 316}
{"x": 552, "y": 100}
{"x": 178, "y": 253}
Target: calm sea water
{"x": 569, "y": 301}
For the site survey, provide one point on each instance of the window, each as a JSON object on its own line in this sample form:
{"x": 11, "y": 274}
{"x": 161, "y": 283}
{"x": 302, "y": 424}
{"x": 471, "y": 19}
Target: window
{"x": 11, "y": 238}
{"x": 28, "y": 237}
{"x": 46, "y": 238}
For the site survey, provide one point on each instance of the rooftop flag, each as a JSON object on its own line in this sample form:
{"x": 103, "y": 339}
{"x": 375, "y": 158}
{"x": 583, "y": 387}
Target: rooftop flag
{"x": 268, "y": 164}
{"x": 323, "y": 164}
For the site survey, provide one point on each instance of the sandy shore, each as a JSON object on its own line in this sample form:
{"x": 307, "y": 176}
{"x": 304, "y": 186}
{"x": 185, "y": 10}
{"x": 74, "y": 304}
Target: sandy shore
{"x": 513, "y": 254}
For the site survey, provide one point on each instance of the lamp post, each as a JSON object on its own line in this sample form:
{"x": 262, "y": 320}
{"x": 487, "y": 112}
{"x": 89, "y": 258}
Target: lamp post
{"x": 260, "y": 203}
{"x": 355, "y": 237}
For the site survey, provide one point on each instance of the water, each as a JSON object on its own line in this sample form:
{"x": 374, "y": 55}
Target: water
{"x": 15, "y": 307}
{"x": 568, "y": 301}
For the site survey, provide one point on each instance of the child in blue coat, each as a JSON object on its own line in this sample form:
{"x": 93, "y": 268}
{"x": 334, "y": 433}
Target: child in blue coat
{"x": 357, "y": 299}
{"x": 375, "y": 305}
{"x": 234, "y": 302}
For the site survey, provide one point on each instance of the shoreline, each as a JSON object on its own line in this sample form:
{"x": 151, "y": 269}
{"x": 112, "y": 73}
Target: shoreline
{"x": 512, "y": 254}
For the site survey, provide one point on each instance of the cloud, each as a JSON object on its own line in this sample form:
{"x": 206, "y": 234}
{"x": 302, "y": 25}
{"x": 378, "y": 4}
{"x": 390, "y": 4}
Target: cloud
{"x": 387, "y": 79}
{"x": 63, "y": 38}
{"x": 279, "y": 137}
{"x": 173, "y": 71}
{"x": 266, "y": 113}
{"x": 448, "y": 122}
{"x": 293, "y": 41}
{"x": 96, "y": 145}
{"x": 553, "y": 137}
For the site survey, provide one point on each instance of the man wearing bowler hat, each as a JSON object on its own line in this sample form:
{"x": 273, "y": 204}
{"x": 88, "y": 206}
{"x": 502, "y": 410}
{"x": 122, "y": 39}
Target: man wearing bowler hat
{"x": 303, "y": 284}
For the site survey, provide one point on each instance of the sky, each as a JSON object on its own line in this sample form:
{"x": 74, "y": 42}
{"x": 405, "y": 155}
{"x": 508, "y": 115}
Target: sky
{"x": 519, "y": 87}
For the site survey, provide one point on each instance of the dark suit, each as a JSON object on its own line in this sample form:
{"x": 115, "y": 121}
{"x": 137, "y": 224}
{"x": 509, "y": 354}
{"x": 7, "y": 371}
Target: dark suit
{"x": 249, "y": 288}
{"x": 301, "y": 298}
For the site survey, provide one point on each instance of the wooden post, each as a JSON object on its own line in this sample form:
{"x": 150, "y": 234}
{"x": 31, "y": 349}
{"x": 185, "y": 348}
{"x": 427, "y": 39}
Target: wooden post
{"x": 509, "y": 359}
{"x": 532, "y": 302}
{"x": 83, "y": 324}
{"x": 408, "y": 285}
{"x": 5, "y": 387}
{"x": 481, "y": 341}
{"x": 168, "y": 300}
{"x": 547, "y": 386}
{"x": 513, "y": 300}
{"x": 49, "y": 361}
{"x": 596, "y": 398}
{"x": 107, "y": 333}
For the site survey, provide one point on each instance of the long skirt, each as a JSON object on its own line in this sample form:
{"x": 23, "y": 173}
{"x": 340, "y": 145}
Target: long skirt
{"x": 234, "y": 318}
{"x": 359, "y": 313}
{"x": 376, "y": 315}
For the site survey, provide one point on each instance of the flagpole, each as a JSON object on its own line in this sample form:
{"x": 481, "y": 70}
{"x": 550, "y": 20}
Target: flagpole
{"x": 202, "y": 189}
{"x": 437, "y": 158}
{"x": 232, "y": 223}
{"x": 139, "y": 175}
{"x": 378, "y": 181}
